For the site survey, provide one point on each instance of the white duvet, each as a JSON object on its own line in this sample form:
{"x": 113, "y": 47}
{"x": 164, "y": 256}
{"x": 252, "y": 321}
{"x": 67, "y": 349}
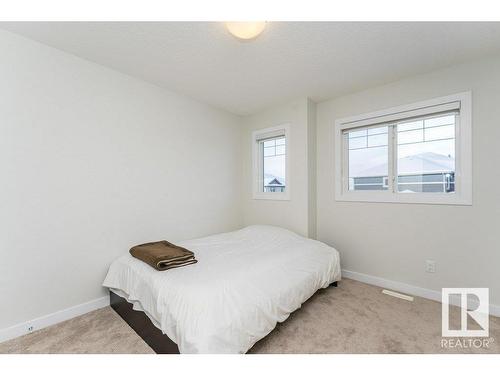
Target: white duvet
{"x": 243, "y": 284}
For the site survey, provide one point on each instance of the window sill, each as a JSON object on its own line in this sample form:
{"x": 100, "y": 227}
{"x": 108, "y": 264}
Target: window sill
{"x": 410, "y": 198}
{"x": 272, "y": 196}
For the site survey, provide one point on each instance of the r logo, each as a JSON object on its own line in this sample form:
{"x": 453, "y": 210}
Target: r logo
{"x": 480, "y": 314}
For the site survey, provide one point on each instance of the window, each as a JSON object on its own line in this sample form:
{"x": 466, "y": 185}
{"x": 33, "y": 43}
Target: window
{"x": 419, "y": 153}
{"x": 368, "y": 162}
{"x": 271, "y": 177}
{"x": 426, "y": 155}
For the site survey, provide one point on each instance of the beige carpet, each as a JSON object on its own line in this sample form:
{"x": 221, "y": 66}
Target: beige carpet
{"x": 353, "y": 318}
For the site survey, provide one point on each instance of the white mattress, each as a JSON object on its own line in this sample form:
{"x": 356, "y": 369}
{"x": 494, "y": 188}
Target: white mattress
{"x": 243, "y": 284}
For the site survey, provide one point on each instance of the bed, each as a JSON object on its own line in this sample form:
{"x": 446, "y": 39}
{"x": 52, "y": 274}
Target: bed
{"x": 244, "y": 283}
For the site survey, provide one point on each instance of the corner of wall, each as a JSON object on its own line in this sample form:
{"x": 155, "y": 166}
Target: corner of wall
{"x": 311, "y": 170}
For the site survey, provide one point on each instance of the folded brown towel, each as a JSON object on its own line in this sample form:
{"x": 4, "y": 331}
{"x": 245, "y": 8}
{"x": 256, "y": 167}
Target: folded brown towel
{"x": 168, "y": 265}
{"x": 163, "y": 255}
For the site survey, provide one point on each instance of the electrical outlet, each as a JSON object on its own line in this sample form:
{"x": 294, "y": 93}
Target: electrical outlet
{"x": 430, "y": 266}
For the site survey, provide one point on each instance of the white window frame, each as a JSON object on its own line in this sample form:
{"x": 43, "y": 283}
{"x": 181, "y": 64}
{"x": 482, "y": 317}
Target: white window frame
{"x": 257, "y": 171}
{"x": 463, "y": 152}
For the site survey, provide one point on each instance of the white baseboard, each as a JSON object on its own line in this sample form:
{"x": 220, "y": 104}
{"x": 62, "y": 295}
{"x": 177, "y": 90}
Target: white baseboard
{"x": 51, "y": 319}
{"x": 434, "y": 295}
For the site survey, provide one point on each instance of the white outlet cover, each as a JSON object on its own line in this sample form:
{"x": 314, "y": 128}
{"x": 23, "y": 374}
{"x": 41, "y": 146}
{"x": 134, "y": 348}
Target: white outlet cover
{"x": 430, "y": 266}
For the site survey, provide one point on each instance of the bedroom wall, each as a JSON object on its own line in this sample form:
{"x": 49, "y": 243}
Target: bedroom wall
{"x": 293, "y": 214}
{"x": 392, "y": 241}
{"x": 93, "y": 162}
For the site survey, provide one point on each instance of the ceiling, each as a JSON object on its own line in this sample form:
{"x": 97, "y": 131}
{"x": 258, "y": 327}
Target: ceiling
{"x": 289, "y": 60}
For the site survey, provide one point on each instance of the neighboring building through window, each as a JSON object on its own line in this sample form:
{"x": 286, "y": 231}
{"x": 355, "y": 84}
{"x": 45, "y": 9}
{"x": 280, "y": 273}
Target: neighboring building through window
{"x": 275, "y": 185}
{"x": 407, "y": 154}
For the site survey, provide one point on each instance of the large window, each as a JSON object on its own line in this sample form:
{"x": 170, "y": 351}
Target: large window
{"x": 413, "y": 154}
{"x": 271, "y": 180}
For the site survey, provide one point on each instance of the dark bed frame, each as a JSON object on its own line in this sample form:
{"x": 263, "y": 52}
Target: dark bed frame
{"x": 141, "y": 324}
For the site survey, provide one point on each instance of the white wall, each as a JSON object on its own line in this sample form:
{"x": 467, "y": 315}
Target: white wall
{"x": 294, "y": 213}
{"x": 92, "y": 162}
{"x": 393, "y": 241}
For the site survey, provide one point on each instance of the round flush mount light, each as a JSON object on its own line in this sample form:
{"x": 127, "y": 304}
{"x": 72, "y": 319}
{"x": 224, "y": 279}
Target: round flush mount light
{"x": 245, "y": 30}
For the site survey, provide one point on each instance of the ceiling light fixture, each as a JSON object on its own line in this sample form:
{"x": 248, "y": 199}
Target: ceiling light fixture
{"x": 245, "y": 30}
